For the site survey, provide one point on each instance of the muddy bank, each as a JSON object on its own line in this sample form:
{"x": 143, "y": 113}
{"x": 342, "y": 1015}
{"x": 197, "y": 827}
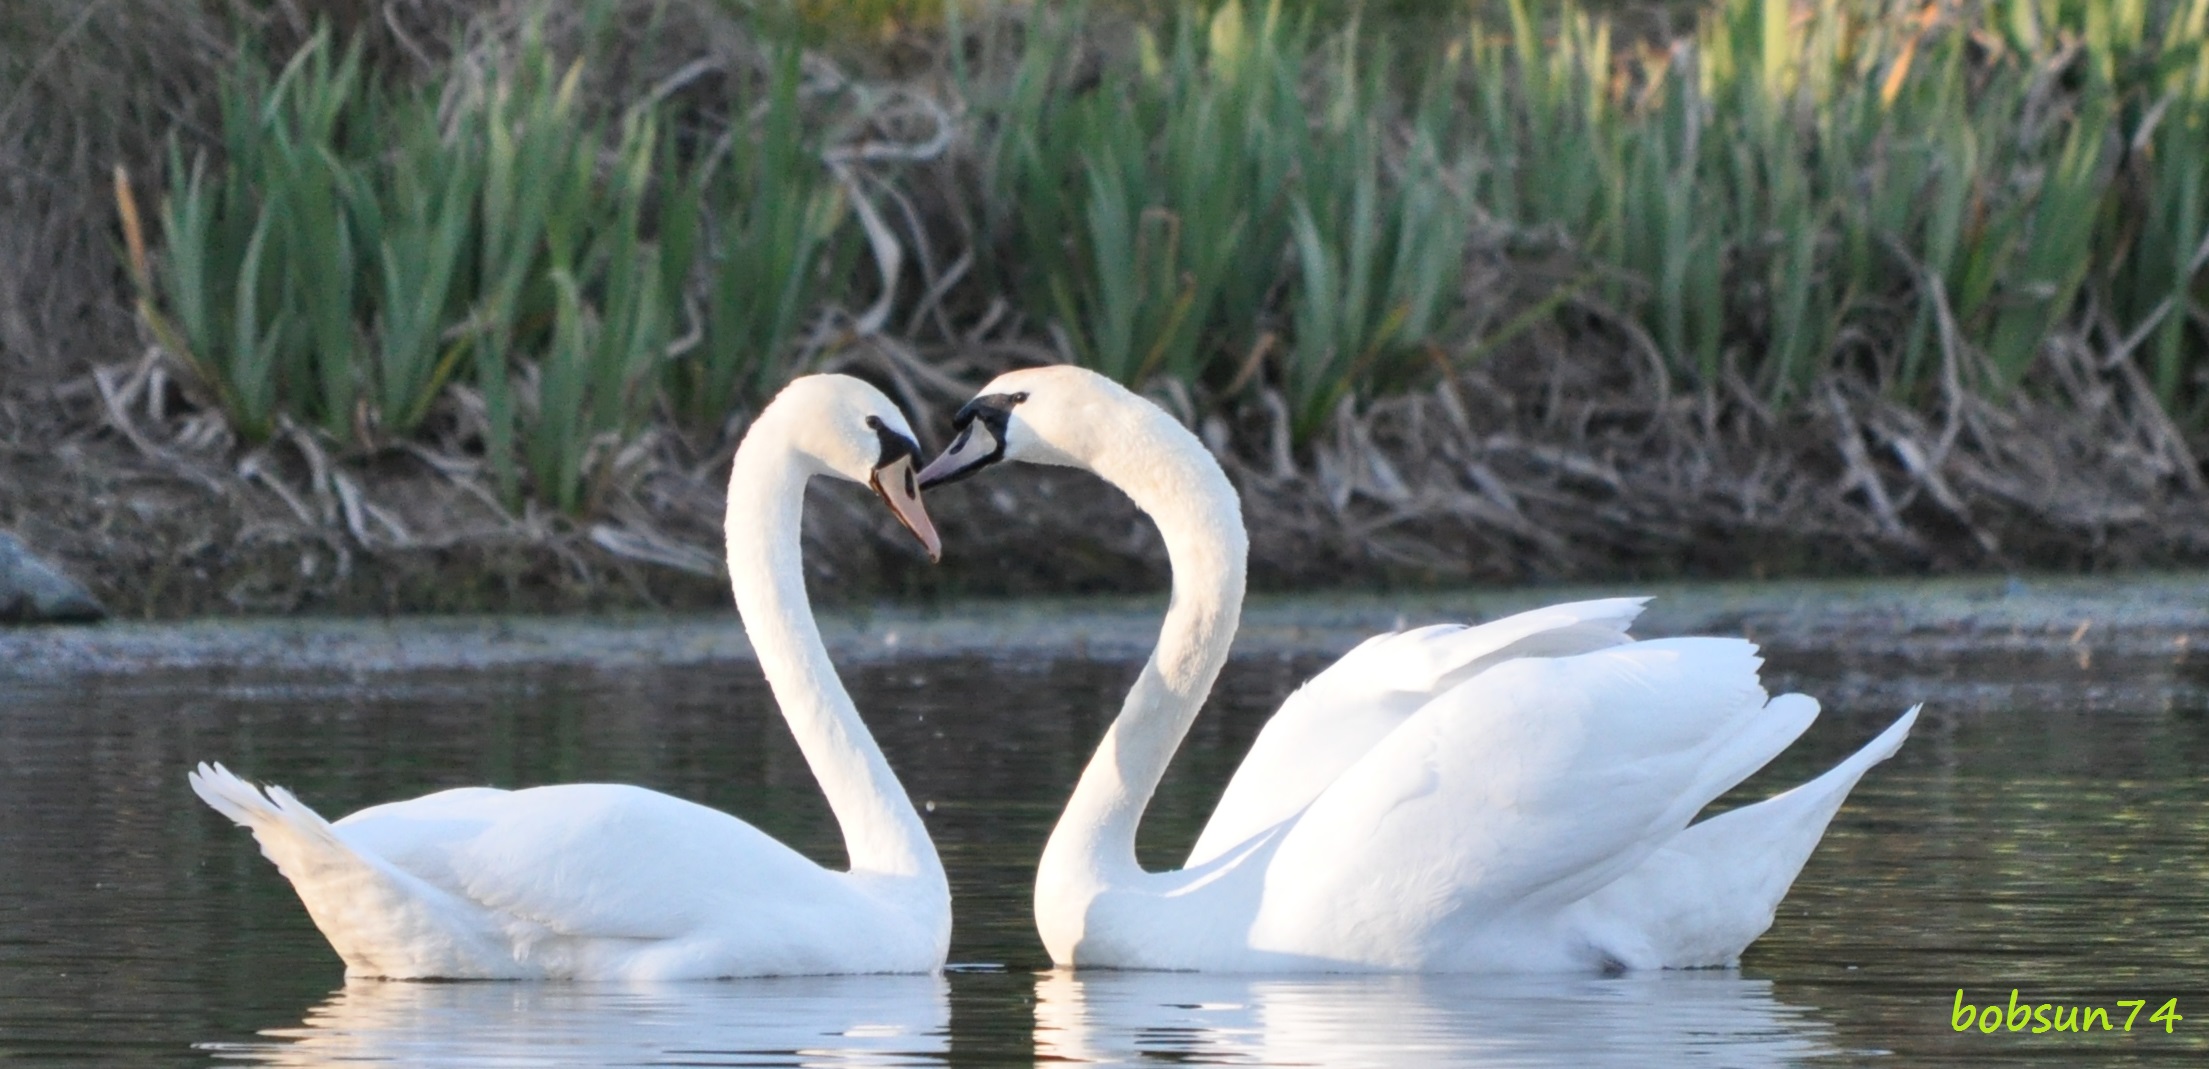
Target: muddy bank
{"x": 1527, "y": 470}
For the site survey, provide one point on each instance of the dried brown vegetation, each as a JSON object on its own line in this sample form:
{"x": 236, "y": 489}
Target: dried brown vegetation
{"x": 1566, "y": 457}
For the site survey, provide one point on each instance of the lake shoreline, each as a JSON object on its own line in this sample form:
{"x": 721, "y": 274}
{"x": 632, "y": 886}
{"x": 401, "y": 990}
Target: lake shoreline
{"x": 2067, "y": 619}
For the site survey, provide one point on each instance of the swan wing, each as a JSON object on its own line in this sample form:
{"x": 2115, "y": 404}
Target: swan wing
{"x": 596, "y": 861}
{"x": 1340, "y": 714}
{"x": 1710, "y": 890}
{"x": 1455, "y": 841}
{"x": 577, "y": 880}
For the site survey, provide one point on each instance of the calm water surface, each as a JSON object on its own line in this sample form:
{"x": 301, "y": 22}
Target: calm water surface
{"x": 2045, "y": 838}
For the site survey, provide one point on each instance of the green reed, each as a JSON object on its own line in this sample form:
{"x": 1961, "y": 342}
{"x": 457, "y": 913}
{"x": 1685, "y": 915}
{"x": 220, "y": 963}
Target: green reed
{"x": 1378, "y": 261}
{"x": 260, "y": 266}
{"x": 1183, "y": 221}
{"x": 359, "y": 247}
{"x": 1229, "y": 197}
{"x": 1770, "y": 191}
{"x": 772, "y": 245}
{"x": 1148, "y": 220}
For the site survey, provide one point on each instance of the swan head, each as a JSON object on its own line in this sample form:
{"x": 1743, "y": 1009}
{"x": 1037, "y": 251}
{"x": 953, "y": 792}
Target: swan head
{"x": 1061, "y": 415}
{"x": 850, "y": 431}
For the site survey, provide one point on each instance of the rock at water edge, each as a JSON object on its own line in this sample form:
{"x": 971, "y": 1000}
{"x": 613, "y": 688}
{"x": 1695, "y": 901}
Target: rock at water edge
{"x": 33, "y": 591}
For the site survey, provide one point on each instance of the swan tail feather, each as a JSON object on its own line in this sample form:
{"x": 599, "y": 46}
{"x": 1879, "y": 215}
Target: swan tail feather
{"x": 274, "y": 816}
{"x": 382, "y": 920}
{"x": 1712, "y": 889}
{"x": 1765, "y": 730}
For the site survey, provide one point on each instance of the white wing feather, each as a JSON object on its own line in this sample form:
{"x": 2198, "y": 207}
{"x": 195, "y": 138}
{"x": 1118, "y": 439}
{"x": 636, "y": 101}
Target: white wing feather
{"x": 1343, "y": 712}
{"x": 1512, "y": 796}
{"x": 1710, "y": 890}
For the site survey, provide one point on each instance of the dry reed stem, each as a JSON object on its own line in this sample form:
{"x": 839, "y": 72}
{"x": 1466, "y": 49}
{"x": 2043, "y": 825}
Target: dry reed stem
{"x": 1482, "y": 478}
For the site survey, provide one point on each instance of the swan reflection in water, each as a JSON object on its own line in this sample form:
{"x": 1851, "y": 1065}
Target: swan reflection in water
{"x": 1113, "y": 1018}
{"x": 1714, "y": 1018}
{"x": 811, "y": 1021}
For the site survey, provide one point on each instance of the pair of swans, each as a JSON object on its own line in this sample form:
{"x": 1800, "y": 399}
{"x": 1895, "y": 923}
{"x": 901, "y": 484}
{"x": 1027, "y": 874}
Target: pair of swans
{"x": 1514, "y": 796}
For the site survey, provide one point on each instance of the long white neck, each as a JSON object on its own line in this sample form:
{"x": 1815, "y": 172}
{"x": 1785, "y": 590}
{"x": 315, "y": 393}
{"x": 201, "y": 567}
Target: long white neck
{"x": 1171, "y": 477}
{"x": 882, "y": 833}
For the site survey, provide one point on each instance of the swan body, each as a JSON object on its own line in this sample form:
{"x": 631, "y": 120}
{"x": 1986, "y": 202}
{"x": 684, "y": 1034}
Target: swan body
{"x": 1517, "y": 796}
{"x": 606, "y": 881}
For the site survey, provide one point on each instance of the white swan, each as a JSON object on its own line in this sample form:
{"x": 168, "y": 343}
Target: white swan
{"x": 601, "y": 881}
{"x": 1509, "y": 797}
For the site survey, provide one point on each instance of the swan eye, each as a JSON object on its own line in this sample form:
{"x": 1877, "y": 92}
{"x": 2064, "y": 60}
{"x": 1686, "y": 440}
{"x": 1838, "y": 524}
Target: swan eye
{"x": 991, "y": 408}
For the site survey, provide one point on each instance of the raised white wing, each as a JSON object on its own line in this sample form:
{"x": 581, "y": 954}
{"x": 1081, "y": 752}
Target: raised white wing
{"x": 1710, "y": 890}
{"x": 1336, "y": 718}
{"x": 1506, "y": 799}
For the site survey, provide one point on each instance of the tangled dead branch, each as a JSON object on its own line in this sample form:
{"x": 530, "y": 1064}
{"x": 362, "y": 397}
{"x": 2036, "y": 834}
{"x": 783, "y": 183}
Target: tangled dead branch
{"x": 1538, "y": 464}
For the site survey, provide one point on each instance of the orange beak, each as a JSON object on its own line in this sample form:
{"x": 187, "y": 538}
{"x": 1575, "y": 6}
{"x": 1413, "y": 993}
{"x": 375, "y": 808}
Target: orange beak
{"x": 898, "y": 487}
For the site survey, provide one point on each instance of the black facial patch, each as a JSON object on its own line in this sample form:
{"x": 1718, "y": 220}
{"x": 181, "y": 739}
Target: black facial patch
{"x": 894, "y": 445}
{"x": 994, "y": 412}
{"x": 993, "y": 409}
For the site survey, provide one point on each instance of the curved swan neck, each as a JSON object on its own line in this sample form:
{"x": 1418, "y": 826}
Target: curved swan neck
{"x": 1169, "y": 474}
{"x": 882, "y": 832}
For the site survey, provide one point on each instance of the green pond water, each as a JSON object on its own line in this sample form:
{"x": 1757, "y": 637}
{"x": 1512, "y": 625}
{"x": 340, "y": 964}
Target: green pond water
{"x": 2044, "y": 831}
